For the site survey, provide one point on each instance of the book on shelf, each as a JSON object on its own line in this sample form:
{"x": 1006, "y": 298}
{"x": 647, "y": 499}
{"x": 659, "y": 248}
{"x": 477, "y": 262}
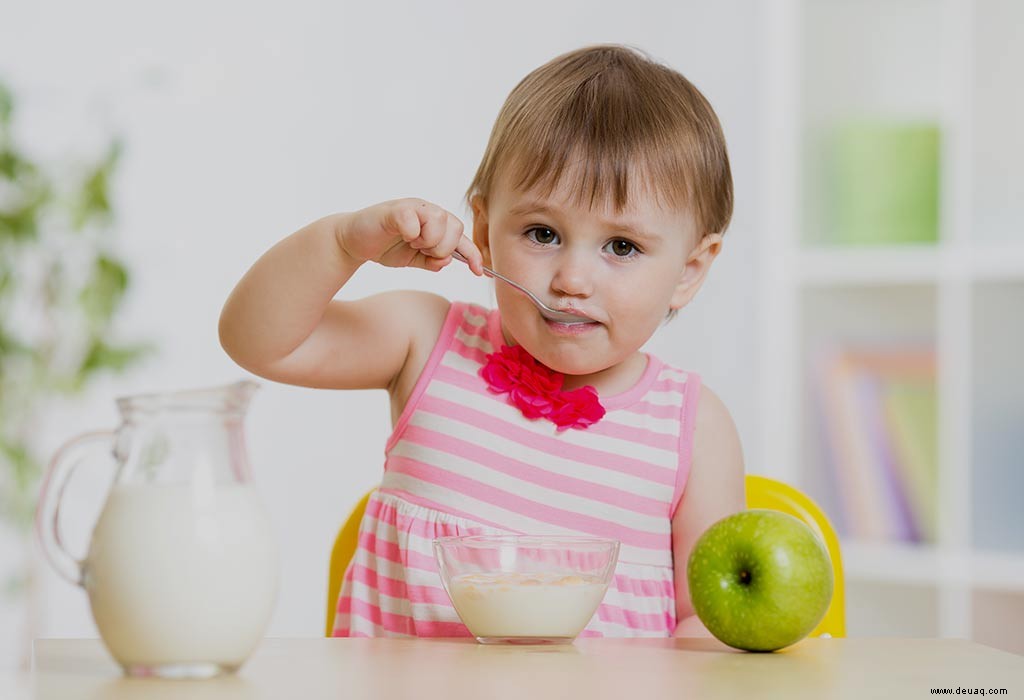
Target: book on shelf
{"x": 877, "y": 413}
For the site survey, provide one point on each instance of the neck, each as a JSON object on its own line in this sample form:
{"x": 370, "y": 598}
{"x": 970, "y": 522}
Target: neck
{"x": 613, "y": 380}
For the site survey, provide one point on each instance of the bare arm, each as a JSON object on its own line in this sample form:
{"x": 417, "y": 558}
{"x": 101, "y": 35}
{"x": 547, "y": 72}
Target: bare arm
{"x": 715, "y": 488}
{"x": 281, "y": 321}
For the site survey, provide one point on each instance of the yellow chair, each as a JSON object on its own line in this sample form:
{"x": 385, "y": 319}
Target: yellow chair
{"x": 762, "y": 492}
{"x": 341, "y": 554}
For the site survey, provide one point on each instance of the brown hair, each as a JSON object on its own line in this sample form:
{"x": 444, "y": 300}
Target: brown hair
{"x": 609, "y": 113}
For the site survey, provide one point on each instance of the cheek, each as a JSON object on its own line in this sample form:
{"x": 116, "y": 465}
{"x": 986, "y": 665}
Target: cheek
{"x": 637, "y": 326}
{"x": 516, "y": 310}
{"x": 515, "y": 265}
{"x": 647, "y": 293}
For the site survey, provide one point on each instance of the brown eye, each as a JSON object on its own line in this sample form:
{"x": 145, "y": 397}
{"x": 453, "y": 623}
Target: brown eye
{"x": 544, "y": 236}
{"x": 621, "y": 248}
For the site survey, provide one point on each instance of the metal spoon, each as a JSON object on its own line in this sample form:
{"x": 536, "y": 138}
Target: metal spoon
{"x": 545, "y": 310}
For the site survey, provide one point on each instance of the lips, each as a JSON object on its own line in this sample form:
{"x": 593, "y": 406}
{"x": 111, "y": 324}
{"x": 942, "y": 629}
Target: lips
{"x": 584, "y": 320}
{"x": 571, "y": 328}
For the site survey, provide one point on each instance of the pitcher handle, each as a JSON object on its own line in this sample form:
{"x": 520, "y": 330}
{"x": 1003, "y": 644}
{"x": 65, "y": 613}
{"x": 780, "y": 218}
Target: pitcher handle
{"x": 58, "y": 473}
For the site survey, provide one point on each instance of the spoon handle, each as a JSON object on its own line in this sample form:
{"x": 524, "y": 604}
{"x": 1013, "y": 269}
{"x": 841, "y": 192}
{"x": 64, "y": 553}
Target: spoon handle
{"x": 489, "y": 272}
{"x": 546, "y": 311}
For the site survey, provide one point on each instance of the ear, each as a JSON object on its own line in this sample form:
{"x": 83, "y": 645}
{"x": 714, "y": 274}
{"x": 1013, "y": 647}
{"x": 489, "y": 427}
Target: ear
{"x": 480, "y": 229}
{"x": 696, "y": 269}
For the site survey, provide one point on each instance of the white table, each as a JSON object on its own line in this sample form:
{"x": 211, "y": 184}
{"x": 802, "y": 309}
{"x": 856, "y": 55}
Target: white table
{"x": 683, "y": 669}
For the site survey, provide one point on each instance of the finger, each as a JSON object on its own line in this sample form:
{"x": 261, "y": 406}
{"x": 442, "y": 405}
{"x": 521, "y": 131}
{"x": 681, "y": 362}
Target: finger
{"x": 433, "y": 225}
{"x": 452, "y": 234}
{"x": 476, "y": 259}
{"x": 405, "y": 221}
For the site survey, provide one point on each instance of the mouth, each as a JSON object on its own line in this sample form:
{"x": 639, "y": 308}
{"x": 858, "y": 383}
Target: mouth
{"x": 573, "y": 311}
{"x": 584, "y": 325}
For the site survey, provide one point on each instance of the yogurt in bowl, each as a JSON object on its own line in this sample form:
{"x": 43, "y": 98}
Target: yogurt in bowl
{"x": 525, "y": 589}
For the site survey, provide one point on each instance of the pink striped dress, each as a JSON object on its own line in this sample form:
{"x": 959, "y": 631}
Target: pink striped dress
{"x": 462, "y": 461}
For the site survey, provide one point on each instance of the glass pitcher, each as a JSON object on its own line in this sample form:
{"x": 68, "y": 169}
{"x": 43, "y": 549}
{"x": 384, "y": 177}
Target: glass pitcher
{"x": 182, "y": 566}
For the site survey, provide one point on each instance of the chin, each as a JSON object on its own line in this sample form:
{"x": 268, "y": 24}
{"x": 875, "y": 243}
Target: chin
{"x": 568, "y": 365}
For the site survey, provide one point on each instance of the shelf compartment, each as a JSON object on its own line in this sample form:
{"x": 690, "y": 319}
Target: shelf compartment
{"x": 875, "y": 609}
{"x": 873, "y": 115}
{"x": 853, "y": 63}
{"x": 997, "y": 189}
{"x": 997, "y": 445}
{"x": 999, "y": 262}
{"x": 871, "y": 409}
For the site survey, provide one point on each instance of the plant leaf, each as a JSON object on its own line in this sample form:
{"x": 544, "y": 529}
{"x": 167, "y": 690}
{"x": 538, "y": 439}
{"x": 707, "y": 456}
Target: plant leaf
{"x": 19, "y": 225}
{"x": 19, "y": 222}
{"x": 103, "y": 292}
{"x": 10, "y": 346}
{"x": 93, "y": 200}
{"x": 22, "y": 467}
{"x": 6, "y": 105}
{"x": 102, "y": 356}
{"x": 10, "y": 163}
{"x": 6, "y": 287}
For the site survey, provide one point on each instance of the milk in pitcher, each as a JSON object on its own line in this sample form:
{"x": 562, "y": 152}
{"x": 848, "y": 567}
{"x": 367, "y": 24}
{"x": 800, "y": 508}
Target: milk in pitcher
{"x": 182, "y": 573}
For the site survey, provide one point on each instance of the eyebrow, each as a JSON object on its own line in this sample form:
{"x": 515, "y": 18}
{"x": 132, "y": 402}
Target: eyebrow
{"x": 528, "y": 208}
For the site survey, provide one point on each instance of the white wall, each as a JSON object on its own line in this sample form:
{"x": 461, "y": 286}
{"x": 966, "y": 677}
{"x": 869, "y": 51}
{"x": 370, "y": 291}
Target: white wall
{"x": 243, "y": 123}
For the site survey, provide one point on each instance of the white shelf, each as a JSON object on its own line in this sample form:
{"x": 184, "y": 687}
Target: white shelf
{"x": 929, "y": 565}
{"x": 997, "y": 572}
{"x": 898, "y": 59}
{"x": 892, "y": 563}
{"x": 908, "y": 265}
{"x": 998, "y": 262}
{"x": 891, "y": 265}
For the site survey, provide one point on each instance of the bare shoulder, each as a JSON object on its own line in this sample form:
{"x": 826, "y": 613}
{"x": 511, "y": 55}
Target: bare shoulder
{"x": 422, "y": 313}
{"x": 715, "y": 429}
{"x": 715, "y": 484}
{"x": 716, "y": 442}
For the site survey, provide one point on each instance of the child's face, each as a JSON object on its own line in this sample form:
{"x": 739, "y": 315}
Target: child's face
{"x": 625, "y": 271}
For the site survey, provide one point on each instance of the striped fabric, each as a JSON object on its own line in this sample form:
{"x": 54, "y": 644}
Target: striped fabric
{"x": 461, "y": 461}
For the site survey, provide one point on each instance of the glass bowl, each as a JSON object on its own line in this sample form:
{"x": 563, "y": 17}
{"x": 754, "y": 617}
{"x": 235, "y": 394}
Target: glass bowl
{"x": 525, "y": 589}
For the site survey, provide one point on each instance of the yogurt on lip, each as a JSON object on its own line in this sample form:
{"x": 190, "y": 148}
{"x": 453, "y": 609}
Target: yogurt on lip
{"x": 510, "y": 604}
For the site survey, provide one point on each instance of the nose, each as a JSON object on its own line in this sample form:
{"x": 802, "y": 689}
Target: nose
{"x": 574, "y": 275}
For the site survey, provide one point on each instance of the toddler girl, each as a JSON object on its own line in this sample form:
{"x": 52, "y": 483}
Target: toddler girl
{"x": 605, "y": 189}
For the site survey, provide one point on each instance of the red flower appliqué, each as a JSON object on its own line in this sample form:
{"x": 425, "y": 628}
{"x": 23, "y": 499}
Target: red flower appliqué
{"x": 537, "y": 391}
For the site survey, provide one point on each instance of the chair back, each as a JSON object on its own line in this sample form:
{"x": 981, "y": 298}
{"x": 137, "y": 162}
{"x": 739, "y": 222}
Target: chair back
{"x": 344, "y": 549}
{"x": 763, "y": 492}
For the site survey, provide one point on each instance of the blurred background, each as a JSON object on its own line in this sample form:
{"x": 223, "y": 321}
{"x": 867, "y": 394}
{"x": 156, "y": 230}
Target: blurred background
{"x": 862, "y": 323}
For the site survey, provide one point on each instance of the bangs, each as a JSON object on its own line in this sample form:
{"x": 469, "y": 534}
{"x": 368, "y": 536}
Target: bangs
{"x": 599, "y": 175}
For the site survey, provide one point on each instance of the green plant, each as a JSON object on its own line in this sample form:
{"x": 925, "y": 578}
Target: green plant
{"x": 61, "y": 286}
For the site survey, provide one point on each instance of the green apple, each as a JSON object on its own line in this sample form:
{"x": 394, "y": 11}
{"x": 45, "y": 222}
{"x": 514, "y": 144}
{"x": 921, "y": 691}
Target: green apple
{"x": 760, "y": 580}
